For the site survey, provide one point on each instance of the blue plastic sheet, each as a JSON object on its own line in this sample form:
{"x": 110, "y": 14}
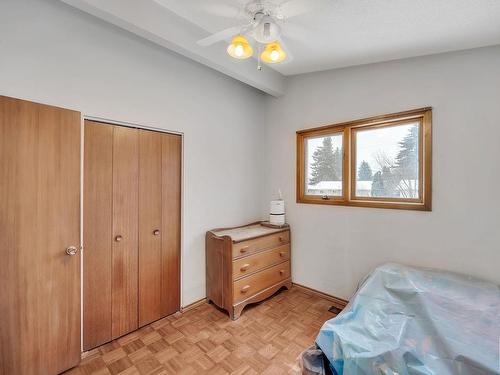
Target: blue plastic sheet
{"x": 405, "y": 320}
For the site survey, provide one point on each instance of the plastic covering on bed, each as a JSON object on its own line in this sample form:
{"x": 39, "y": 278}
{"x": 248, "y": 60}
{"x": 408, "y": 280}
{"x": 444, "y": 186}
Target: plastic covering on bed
{"x": 405, "y": 320}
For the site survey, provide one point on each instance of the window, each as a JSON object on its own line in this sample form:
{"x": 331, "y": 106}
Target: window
{"x": 324, "y": 168}
{"x": 383, "y": 161}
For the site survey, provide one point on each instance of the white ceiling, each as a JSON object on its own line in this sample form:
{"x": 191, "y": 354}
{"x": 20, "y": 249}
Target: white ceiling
{"x": 335, "y": 33}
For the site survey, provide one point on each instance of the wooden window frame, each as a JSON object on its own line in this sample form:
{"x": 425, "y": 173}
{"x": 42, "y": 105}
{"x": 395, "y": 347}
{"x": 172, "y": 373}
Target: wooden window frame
{"x": 349, "y": 130}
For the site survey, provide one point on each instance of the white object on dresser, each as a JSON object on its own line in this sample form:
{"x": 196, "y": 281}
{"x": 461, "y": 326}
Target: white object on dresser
{"x": 277, "y": 211}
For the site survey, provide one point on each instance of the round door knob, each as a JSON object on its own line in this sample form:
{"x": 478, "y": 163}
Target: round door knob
{"x": 156, "y": 232}
{"x": 118, "y": 238}
{"x": 71, "y": 250}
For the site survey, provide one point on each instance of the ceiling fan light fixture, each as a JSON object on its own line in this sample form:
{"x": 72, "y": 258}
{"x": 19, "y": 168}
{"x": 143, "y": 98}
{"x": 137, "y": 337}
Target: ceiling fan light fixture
{"x": 240, "y": 48}
{"x": 273, "y": 53}
{"x": 266, "y": 30}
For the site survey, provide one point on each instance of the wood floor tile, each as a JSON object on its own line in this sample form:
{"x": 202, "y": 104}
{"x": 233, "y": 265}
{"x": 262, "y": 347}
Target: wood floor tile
{"x": 267, "y": 339}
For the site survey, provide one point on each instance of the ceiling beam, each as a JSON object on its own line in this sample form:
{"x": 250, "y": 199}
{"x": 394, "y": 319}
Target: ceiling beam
{"x": 157, "y": 24}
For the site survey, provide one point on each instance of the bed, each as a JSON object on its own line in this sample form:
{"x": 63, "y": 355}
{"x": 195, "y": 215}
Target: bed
{"x": 404, "y": 320}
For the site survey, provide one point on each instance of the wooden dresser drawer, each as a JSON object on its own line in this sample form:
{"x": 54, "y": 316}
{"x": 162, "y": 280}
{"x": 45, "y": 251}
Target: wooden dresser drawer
{"x": 250, "y": 264}
{"x": 252, "y": 246}
{"x": 247, "y": 264}
{"x": 248, "y": 286}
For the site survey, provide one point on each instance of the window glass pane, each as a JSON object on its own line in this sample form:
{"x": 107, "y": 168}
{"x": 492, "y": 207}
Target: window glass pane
{"x": 387, "y": 162}
{"x": 323, "y": 167}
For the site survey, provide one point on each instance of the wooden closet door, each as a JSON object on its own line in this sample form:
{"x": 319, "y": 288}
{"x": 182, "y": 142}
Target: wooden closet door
{"x": 151, "y": 264}
{"x": 97, "y": 233}
{"x": 39, "y": 220}
{"x": 125, "y": 230}
{"x": 171, "y": 222}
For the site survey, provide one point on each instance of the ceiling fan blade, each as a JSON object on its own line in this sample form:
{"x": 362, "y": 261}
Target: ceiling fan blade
{"x": 289, "y": 56}
{"x": 221, "y": 35}
{"x": 222, "y": 10}
{"x": 293, "y": 8}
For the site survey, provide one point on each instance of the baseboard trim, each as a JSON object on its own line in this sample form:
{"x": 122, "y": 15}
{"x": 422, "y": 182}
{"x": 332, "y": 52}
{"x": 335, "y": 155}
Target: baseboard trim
{"x": 193, "y": 305}
{"x": 336, "y": 301}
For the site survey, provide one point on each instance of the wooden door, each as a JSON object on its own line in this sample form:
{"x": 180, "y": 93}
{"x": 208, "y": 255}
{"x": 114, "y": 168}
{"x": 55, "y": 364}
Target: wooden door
{"x": 39, "y": 220}
{"x": 97, "y": 233}
{"x": 124, "y": 288}
{"x": 159, "y": 225}
{"x": 171, "y": 222}
{"x": 150, "y": 229}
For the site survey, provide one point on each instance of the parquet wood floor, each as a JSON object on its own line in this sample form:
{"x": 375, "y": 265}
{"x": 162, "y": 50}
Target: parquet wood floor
{"x": 266, "y": 339}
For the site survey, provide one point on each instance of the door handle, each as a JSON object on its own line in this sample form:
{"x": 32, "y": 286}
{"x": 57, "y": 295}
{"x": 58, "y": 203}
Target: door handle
{"x": 71, "y": 250}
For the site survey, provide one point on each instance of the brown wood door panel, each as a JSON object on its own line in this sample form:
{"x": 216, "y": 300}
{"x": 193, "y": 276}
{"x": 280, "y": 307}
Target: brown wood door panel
{"x": 39, "y": 219}
{"x": 150, "y": 228}
{"x": 171, "y": 222}
{"x": 125, "y": 230}
{"x": 97, "y": 233}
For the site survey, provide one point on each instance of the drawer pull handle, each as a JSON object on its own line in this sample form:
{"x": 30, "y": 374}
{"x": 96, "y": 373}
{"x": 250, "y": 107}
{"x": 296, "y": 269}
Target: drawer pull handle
{"x": 244, "y": 267}
{"x": 280, "y": 238}
{"x": 282, "y": 254}
{"x": 244, "y": 249}
{"x": 118, "y": 238}
{"x": 245, "y": 289}
{"x": 282, "y": 272}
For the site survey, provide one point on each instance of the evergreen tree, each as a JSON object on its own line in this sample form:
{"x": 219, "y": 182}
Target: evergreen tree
{"x": 406, "y": 165}
{"x": 390, "y": 182}
{"x": 325, "y": 165}
{"x": 377, "y": 185}
{"x": 385, "y": 184}
{"x": 407, "y": 158}
{"x": 337, "y": 160}
{"x": 365, "y": 172}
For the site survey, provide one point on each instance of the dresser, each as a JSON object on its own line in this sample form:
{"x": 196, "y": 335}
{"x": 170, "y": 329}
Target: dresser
{"x": 246, "y": 264}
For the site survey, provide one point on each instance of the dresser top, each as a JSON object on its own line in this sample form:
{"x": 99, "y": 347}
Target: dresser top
{"x": 247, "y": 232}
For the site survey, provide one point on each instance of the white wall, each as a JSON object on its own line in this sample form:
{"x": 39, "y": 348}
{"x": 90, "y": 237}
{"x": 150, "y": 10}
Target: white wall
{"x": 333, "y": 247}
{"x": 235, "y": 160}
{"x": 54, "y": 54}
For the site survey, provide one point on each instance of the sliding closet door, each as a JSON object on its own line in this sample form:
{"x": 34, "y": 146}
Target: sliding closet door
{"x": 132, "y": 186}
{"x": 171, "y": 222}
{"x": 97, "y": 233}
{"x": 39, "y": 238}
{"x": 159, "y": 225}
{"x": 150, "y": 231}
{"x": 125, "y": 231}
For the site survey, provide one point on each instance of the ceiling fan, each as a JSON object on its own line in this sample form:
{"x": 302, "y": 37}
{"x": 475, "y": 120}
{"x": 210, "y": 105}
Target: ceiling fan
{"x": 265, "y": 22}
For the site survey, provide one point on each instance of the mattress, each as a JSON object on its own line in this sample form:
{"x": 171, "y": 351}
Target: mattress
{"x": 405, "y": 320}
